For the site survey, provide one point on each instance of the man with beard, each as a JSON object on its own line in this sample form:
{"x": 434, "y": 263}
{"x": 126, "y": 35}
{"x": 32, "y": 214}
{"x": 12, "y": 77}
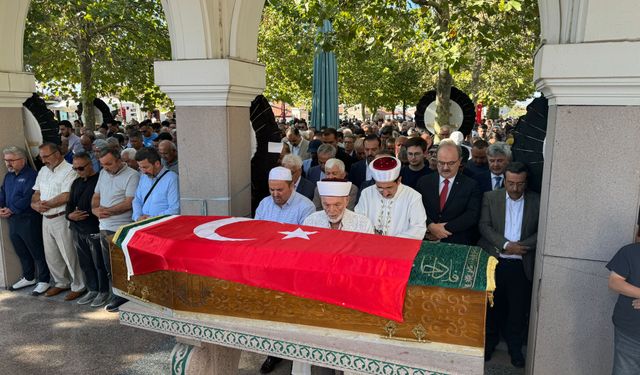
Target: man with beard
{"x": 112, "y": 204}
{"x": 359, "y": 171}
{"x": 393, "y": 208}
{"x": 66, "y": 131}
{"x": 334, "y": 195}
{"x": 299, "y": 146}
{"x": 25, "y": 224}
{"x": 157, "y": 193}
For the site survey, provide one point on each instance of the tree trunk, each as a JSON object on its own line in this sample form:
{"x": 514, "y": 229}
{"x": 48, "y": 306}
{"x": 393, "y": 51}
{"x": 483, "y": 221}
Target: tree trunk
{"x": 443, "y": 95}
{"x": 364, "y": 111}
{"x": 475, "y": 80}
{"x": 87, "y": 92}
{"x": 404, "y": 110}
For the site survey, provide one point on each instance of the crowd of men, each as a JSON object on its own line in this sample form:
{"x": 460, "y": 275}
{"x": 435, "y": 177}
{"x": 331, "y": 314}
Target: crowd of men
{"x": 62, "y": 217}
{"x": 393, "y": 179}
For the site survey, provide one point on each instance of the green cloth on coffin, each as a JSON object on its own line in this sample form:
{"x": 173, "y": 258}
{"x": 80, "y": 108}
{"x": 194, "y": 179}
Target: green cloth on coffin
{"x": 453, "y": 266}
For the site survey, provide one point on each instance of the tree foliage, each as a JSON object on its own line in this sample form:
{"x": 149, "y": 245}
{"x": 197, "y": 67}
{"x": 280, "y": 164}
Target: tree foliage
{"x": 83, "y": 49}
{"x": 392, "y": 51}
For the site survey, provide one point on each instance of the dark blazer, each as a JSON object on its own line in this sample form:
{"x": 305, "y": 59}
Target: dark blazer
{"x": 484, "y": 181}
{"x": 306, "y": 188}
{"x": 475, "y": 168}
{"x": 492, "y": 222}
{"x": 358, "y": 173}
{"x": 461, "y": 211}
{"x": 341, "y": 154}
{"x": 314, "y": 175}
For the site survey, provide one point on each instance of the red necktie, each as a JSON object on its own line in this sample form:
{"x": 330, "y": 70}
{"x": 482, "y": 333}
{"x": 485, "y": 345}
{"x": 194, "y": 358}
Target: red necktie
{"x": 443, "y": 194}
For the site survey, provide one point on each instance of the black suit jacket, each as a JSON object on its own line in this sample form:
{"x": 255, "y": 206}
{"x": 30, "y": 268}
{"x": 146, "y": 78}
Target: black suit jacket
{"x": 484, "y": 181}
{"x": 306, "y": 188}
{"x": 461, "y": 211}
{"x": 492, "y": 222}
{"x": 314, "y": 175}
{"x": 341, "y": 154}
{"x": 358, "y": 173}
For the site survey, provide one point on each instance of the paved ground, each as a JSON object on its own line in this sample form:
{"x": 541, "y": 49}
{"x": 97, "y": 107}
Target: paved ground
{"x": 42, "y": 335}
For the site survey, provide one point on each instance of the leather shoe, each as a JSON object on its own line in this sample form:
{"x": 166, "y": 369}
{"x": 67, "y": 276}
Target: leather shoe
{"x": 55, "y": 291}
{"x": 114, "y": 305}
{"x": 488, "y": 353}
{"x": 73, "y": 295}
{"x": 517, "y": 359}
{"x": 269, "y": 364}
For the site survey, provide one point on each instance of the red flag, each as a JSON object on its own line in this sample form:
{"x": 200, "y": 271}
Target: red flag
{"x": 365, "y": 272}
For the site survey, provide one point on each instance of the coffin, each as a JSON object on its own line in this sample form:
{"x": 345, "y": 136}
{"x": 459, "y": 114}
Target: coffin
{"x": 433, "y": 310}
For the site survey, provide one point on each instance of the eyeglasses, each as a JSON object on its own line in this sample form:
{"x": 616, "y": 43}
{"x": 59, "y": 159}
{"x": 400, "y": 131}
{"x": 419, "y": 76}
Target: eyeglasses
{"x": 46, "y": 156}
{"x": 80, "y": 169}
{"x": 11, "y": 160}
{"x": 447, "y": 163}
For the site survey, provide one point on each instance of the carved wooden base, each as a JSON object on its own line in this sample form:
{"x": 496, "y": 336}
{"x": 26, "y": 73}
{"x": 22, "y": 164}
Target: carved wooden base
{"x": 454, "y": 316}
{"x": 206, "y": 359}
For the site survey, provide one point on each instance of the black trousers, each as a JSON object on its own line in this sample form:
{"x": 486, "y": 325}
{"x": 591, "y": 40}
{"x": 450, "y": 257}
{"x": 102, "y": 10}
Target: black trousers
{"x": 512, "y": 300}
{"x": 25, "y": 232}
{"x": 90, "y": 259}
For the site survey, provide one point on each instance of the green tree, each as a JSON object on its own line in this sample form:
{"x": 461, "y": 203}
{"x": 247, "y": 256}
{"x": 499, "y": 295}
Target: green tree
{"x": 82, "y": 49}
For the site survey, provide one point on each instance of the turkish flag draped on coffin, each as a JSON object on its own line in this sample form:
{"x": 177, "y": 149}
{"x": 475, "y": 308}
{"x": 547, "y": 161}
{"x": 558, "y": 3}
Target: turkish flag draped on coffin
{"x": 364, "y": 272}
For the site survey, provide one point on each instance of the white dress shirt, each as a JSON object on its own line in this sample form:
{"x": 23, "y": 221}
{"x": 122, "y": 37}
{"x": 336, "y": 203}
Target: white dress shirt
{"x": 513, "y": 223}
{"x": 441, "y": 185}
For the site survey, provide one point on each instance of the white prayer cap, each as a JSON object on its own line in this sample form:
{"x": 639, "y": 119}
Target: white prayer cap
{"x": 275, "y": 147}
{"x": 457, "y": 137}
{"x": 280, "y": 174}
{"x": 385, "y": 169}
{"x": 334, "y": 188}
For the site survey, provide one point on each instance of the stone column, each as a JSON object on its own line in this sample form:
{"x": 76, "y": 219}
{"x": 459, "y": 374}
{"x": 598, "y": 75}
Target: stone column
{"x": 212, "y": 100}
{"x": 589, "y": 204}
{"x": 15, "y": 88}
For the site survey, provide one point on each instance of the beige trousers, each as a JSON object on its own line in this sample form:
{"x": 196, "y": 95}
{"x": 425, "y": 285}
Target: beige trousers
{"x": 61, "y": 255}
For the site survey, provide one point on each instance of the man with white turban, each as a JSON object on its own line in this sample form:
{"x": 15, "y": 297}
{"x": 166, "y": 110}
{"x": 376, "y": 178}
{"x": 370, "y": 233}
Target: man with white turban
{"x": 334, "y": 196}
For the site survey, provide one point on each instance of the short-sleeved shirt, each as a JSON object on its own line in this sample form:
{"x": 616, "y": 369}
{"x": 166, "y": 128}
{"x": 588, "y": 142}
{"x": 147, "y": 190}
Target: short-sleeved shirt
{"x": 51, "y": 183}
{"x": 113, "y": 189}
{"x": 294, "y": 211}
{"x": 626, "y": 263}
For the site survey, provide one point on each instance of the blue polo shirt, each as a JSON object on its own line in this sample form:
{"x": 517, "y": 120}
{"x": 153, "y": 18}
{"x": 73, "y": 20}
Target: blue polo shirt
{"x": 17, "y": 189}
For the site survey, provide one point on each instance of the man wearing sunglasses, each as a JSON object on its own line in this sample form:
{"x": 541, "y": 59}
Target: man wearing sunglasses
{"x": 85, "y": 229}
{"x": 452, "y": 200}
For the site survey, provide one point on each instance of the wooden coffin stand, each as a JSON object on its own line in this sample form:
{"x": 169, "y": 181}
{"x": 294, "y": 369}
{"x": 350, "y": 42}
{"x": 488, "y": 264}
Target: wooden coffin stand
{"x": 442, "y": 333}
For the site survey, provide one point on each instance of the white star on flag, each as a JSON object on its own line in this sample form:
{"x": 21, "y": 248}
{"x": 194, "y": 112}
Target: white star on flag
{"x": 298, "y": 233}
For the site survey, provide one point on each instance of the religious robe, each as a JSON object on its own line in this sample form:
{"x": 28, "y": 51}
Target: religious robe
{"x": 400, "y": 216}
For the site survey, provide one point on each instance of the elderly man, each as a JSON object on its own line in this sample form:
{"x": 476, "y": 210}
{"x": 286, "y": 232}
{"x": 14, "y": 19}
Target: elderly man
{"x": 498, "y": 157}
{"x": 52, "y": 188}
{"x": 317, "y": 173}
{"x": 128, "y": 156}
{"x": 301, "y": 184}
{"x": 25, "y": 225}
{"x": 334, "y": 170}
{"x": 335, "y": 196}
{"x": 111, "y": 203}
{"x": 297, "y": 144}
{"x": 84, "y": 226}
{"x": 284, "y": 205}
{"x": 509, "y": 230}
{"x": 451, "y": 199}
{"x": 157, "y": 192}
{"x": 393, "y": 208}
{"x": 169, "y": 153}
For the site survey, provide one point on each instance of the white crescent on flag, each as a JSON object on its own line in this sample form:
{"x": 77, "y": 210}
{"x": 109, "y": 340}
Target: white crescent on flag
{"x": 208, "y": 230}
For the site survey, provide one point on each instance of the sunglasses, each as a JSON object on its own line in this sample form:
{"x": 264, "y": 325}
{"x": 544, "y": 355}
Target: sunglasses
{"x": 81, "y": 169}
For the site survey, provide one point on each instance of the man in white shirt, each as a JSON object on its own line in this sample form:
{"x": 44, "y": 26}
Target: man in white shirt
{"x": 334, "y": 196}
{"x": 52, "y": 189}
{"x": 393, "y": 208}
{"x": 509, "y": 229}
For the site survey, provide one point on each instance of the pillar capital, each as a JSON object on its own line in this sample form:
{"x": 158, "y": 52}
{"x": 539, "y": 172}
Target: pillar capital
{"x": 15, "y": 88}
{"x": 210, "y": 83}
{"x": 606, "y": 73}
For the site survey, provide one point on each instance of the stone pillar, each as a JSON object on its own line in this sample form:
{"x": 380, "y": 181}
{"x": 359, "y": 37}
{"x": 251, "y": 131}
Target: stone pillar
{"x": 15, "y": 88}
{"x": 589, "y": 202}
{"x": 212, "y": 99}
